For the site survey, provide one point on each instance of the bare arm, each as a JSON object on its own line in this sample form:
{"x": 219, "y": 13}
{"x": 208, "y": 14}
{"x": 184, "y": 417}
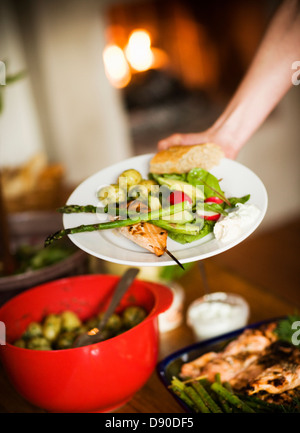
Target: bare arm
{"x": 267, "y": 80}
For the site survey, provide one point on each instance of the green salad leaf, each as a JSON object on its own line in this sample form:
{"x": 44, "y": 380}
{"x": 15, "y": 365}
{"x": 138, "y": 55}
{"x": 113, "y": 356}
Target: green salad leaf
{"x": 177, "y": 176}
{"x": 182, "y": 177}
{"x": 181, "y": 238}
{"x": 199, "y": 176}
{"x": 215, "y": 207}
{"x": 235, "y": 200}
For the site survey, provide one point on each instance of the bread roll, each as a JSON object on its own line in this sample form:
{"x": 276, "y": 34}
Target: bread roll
{"x": 181, "y": 159}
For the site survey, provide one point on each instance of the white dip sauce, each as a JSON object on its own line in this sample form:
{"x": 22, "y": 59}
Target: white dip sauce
{"x": 216, "y": 314}
{"x": 231, "y": 226}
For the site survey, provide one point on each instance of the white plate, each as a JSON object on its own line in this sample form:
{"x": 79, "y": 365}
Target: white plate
{"x": 237, "y": 181}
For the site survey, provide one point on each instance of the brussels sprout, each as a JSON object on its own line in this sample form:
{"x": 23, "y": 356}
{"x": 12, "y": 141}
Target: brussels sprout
{"x": 114, "y": 323}
{"x": 65, "y": 340}
{"x": 92, "y": 323}
{"x": 52, "y": 326}
{"x": 82, "y": 329}
{"x": 129, "y": 178}
{"x": 138, "y": 191}
{"x": 34, "y": 329}
{"x": 151, "y": 185}
{"x": 69, "y": 321}
{"x": 106, "y": 334}
{"x": 133, "y": 315}
{"x": 112, "y": 194}
{"x": 39, "y": 343}
{"x": 20, "y": 343}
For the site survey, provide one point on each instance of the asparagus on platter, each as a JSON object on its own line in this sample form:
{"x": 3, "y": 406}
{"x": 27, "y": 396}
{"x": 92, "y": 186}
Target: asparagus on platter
{"x": 135, "y": 219}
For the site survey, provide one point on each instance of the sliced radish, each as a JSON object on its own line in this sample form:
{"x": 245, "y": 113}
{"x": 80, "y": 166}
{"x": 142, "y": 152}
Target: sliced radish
{"x": 179, "y": 197}
{"x": 209, "y": 215}
{"x": 217, "y": 200}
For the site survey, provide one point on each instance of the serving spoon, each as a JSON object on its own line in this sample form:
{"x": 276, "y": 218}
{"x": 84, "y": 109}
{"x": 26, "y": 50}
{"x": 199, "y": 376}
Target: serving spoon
{"x": 97, "y": 336}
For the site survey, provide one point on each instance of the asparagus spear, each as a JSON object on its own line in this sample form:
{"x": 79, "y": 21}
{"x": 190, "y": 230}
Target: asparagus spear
{"x": 231, "y": 398}
{"x": 196, "y": 399}
{"x": 219, "y": 393}
{"x": 111, "y": 209}
{"x": 228, "y": 387}
{"x": 152, "y": 215}
{"x": 191, "y": 394}
{"x": 226, "y": 407}
{"x": 261, "y": 405}
{"x": 75, "y": 208}
{"x": 184, "y": 397}
{"x": 209, "y": 402}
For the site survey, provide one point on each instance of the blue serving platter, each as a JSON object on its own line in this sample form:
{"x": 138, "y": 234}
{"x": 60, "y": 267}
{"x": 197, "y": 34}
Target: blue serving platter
{"x": 171, "y": 365}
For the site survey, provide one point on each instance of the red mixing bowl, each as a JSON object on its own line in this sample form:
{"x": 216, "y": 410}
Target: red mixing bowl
{"x": 94, "y": 378}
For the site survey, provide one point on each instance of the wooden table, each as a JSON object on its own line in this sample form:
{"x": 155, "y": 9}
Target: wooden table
{"x": 153, "y": 397}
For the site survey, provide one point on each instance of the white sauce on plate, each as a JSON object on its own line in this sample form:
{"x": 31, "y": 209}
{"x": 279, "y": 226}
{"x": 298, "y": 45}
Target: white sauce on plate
{"x": 231, "y": 226}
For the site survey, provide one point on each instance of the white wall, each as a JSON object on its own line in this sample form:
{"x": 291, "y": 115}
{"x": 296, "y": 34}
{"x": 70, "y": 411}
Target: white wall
{"x": 273, "y": 153}
{"x": 85, "y": 114}
{"x": 83, "y": 122}
{"x": 20, "y": 133}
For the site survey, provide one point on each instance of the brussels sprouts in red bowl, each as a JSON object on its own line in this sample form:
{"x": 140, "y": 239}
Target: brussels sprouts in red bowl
{"x": 96, "y": 378}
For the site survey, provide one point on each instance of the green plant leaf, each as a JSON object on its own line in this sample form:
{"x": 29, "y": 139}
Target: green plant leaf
{"x": 285, "y": 330}
{"x": 15, "y": 77}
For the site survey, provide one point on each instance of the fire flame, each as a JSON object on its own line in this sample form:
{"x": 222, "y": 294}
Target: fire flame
{"x": 138, "y": 50}
{"x": 137, "y": 56}
{"x": 116, "y": 66}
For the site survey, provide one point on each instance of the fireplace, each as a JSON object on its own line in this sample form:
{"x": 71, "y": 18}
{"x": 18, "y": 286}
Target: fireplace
{"x": 177, "y": 62}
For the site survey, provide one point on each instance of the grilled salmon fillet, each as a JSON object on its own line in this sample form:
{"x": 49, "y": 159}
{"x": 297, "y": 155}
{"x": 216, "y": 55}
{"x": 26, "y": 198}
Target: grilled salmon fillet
{"x": 286, "y": 397}
{"x": 236, "y": 357}
{"x": 277, "y": 379}
{"x": 252, "y": 340}
{"x": 144, "y": 234}
{"x": 193, "y": 369}
{"x": 274, "y": 353}
{"x": 148, "y": 236}
{"x": 281, "y": 372}
{"x": 257, "y": 362}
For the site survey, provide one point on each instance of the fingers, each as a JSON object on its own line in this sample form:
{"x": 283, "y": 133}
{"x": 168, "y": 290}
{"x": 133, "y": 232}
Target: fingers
{"x": 230, "y": 148}
{"x": 172, "y": 140}
{"x": 183, "y": 140}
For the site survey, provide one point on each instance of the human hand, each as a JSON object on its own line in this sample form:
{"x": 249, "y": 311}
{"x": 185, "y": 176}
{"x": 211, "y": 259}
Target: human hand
{"x": 211, "y": 135}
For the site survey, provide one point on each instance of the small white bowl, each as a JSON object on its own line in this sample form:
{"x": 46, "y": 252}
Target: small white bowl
{"x": 216, "y": 314}
{"x": 173, "y": 317}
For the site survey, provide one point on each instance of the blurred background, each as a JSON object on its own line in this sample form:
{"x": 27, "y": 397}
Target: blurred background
{"x": 92, "y": 83}
{"x": 106, "y": 80}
